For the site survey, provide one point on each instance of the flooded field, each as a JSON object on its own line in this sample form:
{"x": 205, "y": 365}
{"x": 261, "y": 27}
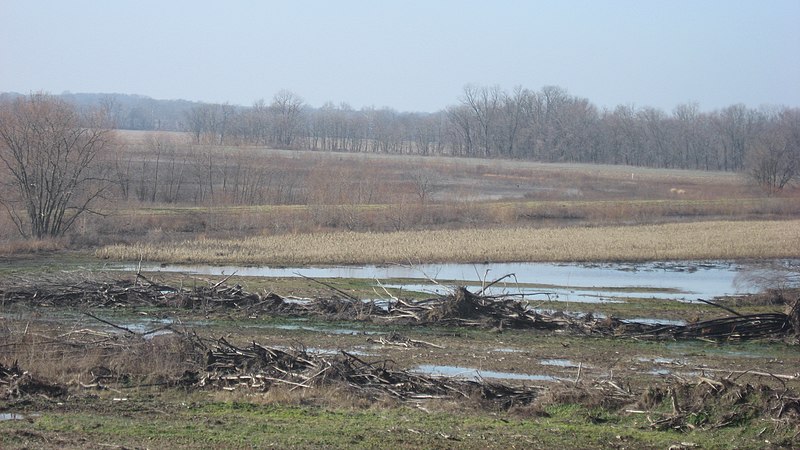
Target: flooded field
{"x": 571, "y": 282}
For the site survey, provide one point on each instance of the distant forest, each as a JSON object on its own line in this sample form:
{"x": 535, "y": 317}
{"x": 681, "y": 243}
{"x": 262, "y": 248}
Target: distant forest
{"x": 548, "y": 125}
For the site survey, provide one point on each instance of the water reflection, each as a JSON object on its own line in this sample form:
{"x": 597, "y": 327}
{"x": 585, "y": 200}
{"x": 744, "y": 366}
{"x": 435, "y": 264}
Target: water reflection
{"x": 575, "y": 282}
{"x": 476, "y": 374}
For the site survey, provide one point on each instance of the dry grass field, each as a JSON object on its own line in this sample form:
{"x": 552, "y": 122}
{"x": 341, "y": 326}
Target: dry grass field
{"x": 259, "y": 205}
{"x": 697, "y": 240}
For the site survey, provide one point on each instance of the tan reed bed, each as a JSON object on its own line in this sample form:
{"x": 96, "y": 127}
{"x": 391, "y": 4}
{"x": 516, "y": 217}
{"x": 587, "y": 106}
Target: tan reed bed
{"x": 699, "y": 240}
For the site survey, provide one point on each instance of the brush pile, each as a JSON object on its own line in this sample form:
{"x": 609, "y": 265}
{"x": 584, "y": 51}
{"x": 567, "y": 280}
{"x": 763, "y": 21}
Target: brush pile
{"x": 260, "y": 367}
{"x": 16, "y": 384}
{"x": 99, "y": 291}
{"x": 460, "y": 307}
{"x": 734, "y": 328}
{"x": 715, "y": 403}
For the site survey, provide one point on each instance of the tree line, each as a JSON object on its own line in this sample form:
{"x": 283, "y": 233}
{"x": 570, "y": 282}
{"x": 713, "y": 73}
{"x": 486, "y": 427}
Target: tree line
{"x": 548, "y": 125}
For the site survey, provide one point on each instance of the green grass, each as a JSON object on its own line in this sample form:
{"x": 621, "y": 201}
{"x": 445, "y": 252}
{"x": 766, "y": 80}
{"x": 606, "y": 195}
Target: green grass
{"x": 206, "y": 423}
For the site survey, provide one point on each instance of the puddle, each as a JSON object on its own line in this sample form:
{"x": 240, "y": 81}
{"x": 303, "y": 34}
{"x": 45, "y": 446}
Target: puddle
{"x": 325, "y": 351}
{"x": 476, "y": 374}
{"x": 146, "y": 325}
{"x": 659, "y": 360}
{"x": 506, "y": 350}
{"x": 651, "y": 321}
{"x": 151, "y": 328}
{"x": 14, "y": 416}
{"x": 665, "y": 372}
{"x": 683, "y": 280}
{"x": 311, "y": 328}
{"x": 559, "y": 363}
{"x": 700, "y": 349}
{"x": 556, "y": 295}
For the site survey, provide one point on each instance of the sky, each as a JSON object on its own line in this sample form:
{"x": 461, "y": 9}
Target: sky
{"x": 410, "y": 55}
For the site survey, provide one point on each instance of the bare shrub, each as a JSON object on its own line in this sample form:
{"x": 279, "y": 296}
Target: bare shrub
{"x": 779, "y": 276}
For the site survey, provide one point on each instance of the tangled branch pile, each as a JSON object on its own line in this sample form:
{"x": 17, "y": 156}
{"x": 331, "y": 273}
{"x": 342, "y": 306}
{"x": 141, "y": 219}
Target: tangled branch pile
{"x": 16, "y": 383}
{"x": 458, "y": 308}
{"x": 728, "y": 328}
{"x": 103, "y": 291}
{"x": 260, "y": 367}
{"x": 712, "y": 403}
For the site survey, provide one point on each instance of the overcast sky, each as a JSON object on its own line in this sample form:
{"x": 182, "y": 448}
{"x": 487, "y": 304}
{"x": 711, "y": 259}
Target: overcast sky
{"x": 409, "y": 55}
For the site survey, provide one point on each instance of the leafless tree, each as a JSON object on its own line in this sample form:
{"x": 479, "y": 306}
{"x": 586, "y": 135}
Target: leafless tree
{"x": 485, "y": 103}
{"x": 51, "y": 154}
{"x": 512, "y": 120}
{"x": 286, "y": 108}
{"x": 692, "y": 137}
{"x": 737, "y": 127}
{"x": 463, "y": 130}
{"x": 424, "y": 181}
{"x": 212, "y": 123}
{"x": 774, "y": 160}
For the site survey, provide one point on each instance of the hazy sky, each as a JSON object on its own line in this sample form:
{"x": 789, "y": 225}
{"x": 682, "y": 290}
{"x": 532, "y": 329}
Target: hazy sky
{"x": 409, "y": 55}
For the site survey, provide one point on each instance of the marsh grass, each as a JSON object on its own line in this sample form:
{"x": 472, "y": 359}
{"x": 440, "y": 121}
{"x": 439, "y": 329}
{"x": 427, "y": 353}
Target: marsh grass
{"x": 694, "y": 241}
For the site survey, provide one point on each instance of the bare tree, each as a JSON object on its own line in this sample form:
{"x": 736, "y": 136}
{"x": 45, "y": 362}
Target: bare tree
{"x": 424, "y": 181}
{"x": 286, "y": 108}
{"x": 737, "y": 126}
{"x": 463, "y": 130}
{"x": 486, "y": 104}
{"x": 774, "y": 160}
{"x": 51, "y": 155}
{"x": 513, "y": 111}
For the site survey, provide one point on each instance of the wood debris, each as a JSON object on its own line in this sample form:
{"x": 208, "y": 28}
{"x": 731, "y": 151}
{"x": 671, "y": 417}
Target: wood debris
{"x": 460, "y": 307}
{"x": 16, "y": 383}
{"x": 260, "y": 367}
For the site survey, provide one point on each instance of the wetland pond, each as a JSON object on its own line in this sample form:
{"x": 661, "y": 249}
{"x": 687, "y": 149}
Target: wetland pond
{"x": 571, "y": 282}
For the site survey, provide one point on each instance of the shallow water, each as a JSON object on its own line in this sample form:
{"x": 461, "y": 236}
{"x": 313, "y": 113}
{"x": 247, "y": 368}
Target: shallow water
{"x": 650, "y": 321}
{"x": 144, "y": 325}
{"x": 558, "y": 362}
{"x": 578, "y": 282}
{"x": 319, "y": 351}
{"x": 558, "y": 295}
{"x": 346, "y": 331}
{"x": 14, "y": 416}
{"x": 477, "y": 374}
